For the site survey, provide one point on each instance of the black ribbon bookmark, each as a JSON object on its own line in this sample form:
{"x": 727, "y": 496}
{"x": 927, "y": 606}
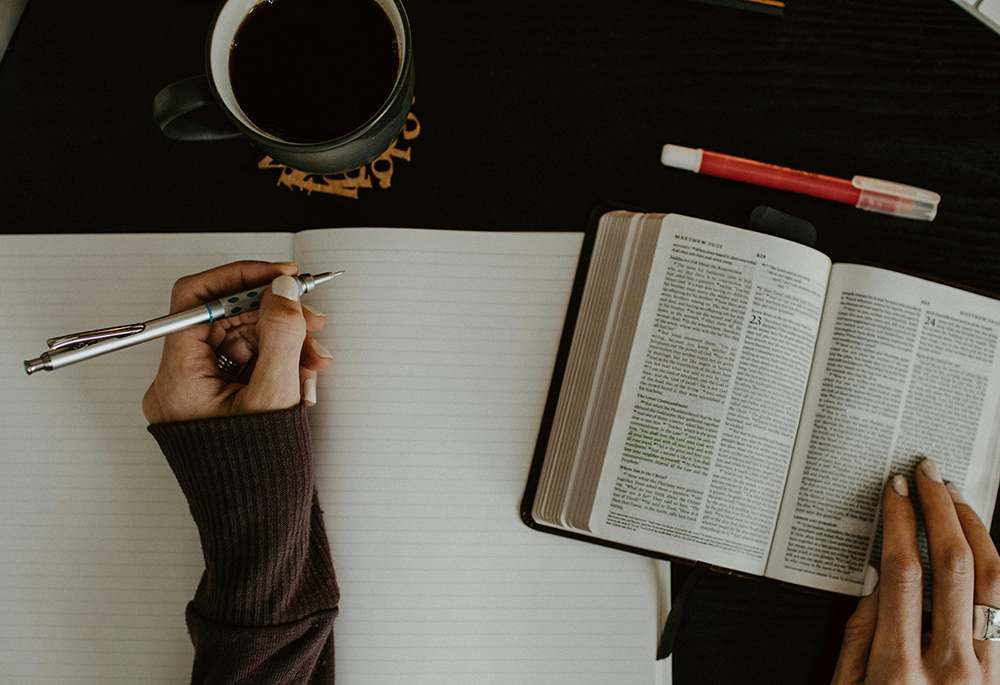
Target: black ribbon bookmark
{"x": 673, "y": 621}
{"x": 768, "y": 220}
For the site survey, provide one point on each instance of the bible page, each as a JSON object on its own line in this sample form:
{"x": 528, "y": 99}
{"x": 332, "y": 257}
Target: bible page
{"x": 905, "y": 368}
{"x": 703, "y": 431}
{"x": 444, "y": 344}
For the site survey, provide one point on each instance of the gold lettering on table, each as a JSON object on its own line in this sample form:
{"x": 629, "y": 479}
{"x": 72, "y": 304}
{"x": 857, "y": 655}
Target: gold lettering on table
{"x": 349, "y": 183}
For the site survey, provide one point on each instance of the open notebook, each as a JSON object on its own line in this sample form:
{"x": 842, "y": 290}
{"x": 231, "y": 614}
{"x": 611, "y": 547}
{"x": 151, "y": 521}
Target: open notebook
{"x": 444, "y": 343}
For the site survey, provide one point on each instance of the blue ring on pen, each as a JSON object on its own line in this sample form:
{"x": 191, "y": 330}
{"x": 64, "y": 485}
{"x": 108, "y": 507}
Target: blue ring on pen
{"x": 210, "y": 317}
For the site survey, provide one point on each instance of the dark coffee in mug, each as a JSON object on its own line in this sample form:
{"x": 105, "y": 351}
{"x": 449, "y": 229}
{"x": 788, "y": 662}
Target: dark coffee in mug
{"x": 308, "y": 71}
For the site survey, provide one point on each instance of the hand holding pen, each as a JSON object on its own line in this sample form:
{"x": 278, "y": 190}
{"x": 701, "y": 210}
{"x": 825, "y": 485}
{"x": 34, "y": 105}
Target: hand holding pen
{"x": 234, "y": 345}
{"x": 276, "y": 358}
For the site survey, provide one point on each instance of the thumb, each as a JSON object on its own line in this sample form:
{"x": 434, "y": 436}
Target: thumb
{"x": 852, "y": 666}
{"x": 281, "y": 331}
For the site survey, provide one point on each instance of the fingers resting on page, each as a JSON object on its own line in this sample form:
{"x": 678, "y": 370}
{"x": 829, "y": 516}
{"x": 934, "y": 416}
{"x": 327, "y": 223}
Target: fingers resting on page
{"x": 884, "y": 640}
{"x": 259, "y": 361}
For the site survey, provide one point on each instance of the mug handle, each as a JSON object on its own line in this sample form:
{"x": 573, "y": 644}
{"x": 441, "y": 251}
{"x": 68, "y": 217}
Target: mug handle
{"x": 186, "y": 110}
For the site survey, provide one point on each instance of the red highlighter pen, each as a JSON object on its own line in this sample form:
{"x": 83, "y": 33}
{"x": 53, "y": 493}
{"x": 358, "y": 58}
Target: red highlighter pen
{"x": 871, "y": 194}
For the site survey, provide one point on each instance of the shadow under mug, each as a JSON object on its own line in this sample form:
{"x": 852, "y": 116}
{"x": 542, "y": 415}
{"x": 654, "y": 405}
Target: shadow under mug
{"x": 205, "y": 107}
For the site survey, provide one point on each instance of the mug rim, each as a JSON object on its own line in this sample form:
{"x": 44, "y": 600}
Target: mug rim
{"x": 386, "y": 110}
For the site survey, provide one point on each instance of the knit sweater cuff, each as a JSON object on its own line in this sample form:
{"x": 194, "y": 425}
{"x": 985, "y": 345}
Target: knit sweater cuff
{"x": 249, "y": 484}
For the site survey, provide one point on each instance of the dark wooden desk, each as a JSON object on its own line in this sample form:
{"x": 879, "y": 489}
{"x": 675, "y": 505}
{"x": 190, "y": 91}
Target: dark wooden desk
{"x": 530, "y": 114}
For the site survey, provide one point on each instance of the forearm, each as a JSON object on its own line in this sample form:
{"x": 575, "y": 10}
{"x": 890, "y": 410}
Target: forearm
{"x": 265, "y": 606}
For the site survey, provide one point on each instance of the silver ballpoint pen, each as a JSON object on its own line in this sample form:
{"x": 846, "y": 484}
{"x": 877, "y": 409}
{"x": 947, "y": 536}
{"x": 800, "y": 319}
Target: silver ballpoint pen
{"x": 70, "y": 349}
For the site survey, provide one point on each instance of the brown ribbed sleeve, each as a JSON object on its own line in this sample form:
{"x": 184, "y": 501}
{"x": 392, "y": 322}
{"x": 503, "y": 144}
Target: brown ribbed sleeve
{"x": 263, "y": 612}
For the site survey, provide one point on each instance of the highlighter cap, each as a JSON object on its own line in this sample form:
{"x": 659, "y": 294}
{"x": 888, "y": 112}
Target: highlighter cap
{"x": 896, "y": 199}
{"x": 681, "y": 157}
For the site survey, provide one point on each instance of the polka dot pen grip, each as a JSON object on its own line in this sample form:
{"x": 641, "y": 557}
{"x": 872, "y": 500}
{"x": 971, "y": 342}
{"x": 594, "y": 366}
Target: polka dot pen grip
{"x": 70, "y": 349}
{"x": 244, "y": 302}
{"x": 249, "y": 301}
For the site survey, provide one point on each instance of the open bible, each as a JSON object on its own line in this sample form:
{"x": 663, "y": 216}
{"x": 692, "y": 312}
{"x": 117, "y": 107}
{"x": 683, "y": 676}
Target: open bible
{"x": 735, "y": 398}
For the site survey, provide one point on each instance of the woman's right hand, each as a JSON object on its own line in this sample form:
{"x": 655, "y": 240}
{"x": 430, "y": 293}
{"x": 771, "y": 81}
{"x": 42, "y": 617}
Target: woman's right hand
{"x": 884, "y": 641}
{"x": 274, "y": 345}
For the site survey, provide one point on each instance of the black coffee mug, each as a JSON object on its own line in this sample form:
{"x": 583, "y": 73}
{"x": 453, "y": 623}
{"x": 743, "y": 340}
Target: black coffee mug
{"x": 207, "y": 107}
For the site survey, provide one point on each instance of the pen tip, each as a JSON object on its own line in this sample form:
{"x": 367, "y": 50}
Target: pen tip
{"x": 324, "y": 277}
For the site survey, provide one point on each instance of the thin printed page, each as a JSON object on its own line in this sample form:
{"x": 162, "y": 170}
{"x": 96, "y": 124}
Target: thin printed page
{"x": 570, "y": 422}
{"x": 905, "y": 368}
{"x": 703, "y": 431}
{"x": 443, "y": 345}
{"x": 99, "y": 553}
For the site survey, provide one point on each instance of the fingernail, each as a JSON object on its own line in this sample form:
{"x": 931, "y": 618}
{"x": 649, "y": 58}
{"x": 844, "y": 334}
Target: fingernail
{"x": 900, "y": 486}
{"x": 286, "y": 287}
{"x": 320, "y": 350}
{"x": 956, "y": 494}
{"x": 930, "y": 470}
{"x": 870, "y": 581}
{"x": 309, "y": 390}
{"x": 313, "y": 310}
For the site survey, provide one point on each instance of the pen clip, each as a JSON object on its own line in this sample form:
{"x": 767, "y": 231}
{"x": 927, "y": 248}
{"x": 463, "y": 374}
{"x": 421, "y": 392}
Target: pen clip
{"x": 78, "y": 340}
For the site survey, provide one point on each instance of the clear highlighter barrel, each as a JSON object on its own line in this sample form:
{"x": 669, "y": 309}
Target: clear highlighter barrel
{"x": 896, "y": 199}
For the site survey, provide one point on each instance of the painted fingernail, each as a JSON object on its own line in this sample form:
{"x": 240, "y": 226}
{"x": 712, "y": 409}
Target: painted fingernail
{"x": 900, "y": 487}
{"x": 956, "y": 494}
{"x": 320, "y": 350}
{"x": 870, "y": 581}
{"x": 313, "y": 310}
{"x": 286, "y": 287}
{"x": 930, "y": 470}
{"x": 309, "y": 390}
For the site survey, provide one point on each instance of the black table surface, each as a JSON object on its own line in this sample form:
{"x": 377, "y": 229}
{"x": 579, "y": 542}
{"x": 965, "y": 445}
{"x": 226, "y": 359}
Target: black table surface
{"x": 530, "y": 114}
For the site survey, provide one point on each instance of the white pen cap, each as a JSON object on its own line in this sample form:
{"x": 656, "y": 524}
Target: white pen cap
{"x": 679, "y": 157}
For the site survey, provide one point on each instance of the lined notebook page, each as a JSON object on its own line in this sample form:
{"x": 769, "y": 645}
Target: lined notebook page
{"x": 98, "y": 553}
{"x": 444, "y": 343}
{"x": 443, "y": 346}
